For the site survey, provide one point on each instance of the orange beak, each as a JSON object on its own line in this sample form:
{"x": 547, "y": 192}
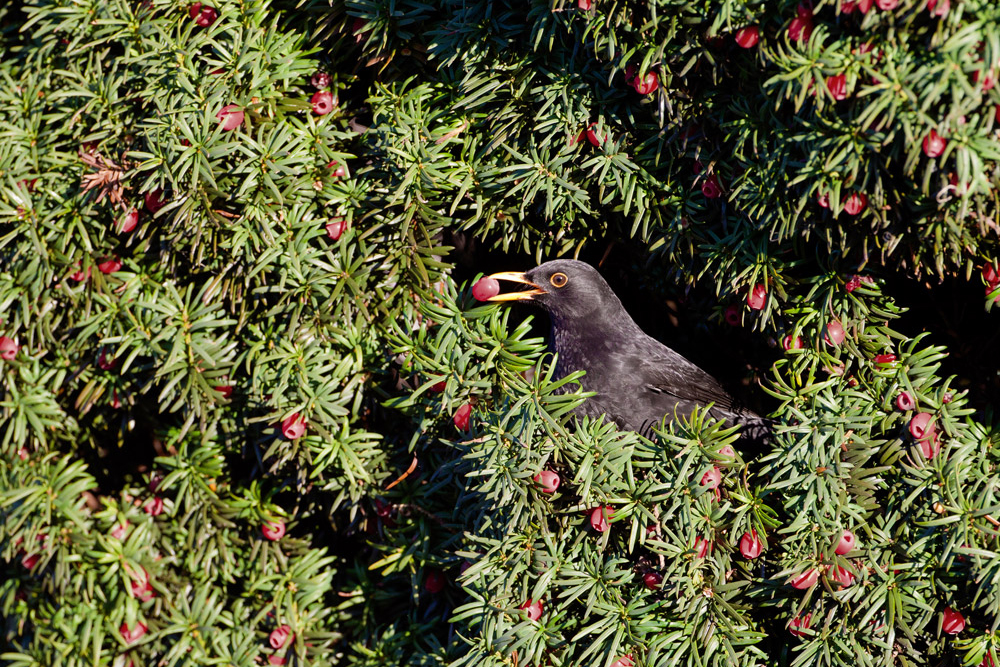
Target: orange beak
{"x": 517, "y": 278}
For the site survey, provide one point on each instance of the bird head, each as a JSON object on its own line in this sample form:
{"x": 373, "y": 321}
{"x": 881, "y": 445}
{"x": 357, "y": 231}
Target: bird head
{"x": 566, "y": 288}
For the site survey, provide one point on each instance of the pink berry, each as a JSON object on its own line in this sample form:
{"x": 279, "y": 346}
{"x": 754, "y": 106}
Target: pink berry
{"x": 934, "y": 144}
{"x": 834, "y": 333}
{"x": 461, "y": 417}
{"x": 585, "y": 5}
{"x": 293, "y": 427}
{"x": 624, "y": 661}
{"x": 789, "y": 343}
{"x": 652, "y": 580}
{"x": 710, "y": 187}
{"x": 952, "y": 621}
{"x": 842, "y": 575}
{"x": 805, "y": 580}
{"x": 701, "y": 547}
{"x": 631, "y": 71}
{"x": 837, "y": 85}
{"x": 751, "y": 545}
{"x": 853, "y": 283}
{"x": 485, "y": 289}
{"x": 647, "y": 84}
{"x": 322, "y": 102}
{"x": 224, "y": 389}
{"x": 905, "y": 402}
{"x": 800, "y": 29}
{"x": 128, "y": 222}
{"x": 845, "y": 544}
{"x": 153, "y": 506}
{"x": 154, "y": 200}
{"x": 320, "y": 80}
{"x": 991, "y": 275}
{"x": 110, "y": 265}
{"x": 29, "y": 561}
{"x": 798, "y": 624}
{"x": 747, "y": 37}
{"x": 230, "y": 117}
{"x": 439, "y": 386}
{"x": 335, "y": 228}
{"x": 938, "y": 7}
{"x": 732, "y": 315}
{"x": 203, "y": 15}
{"x": 884, "y": 359}
{"x": 592, "y": 136}
{"x": 8, "y": 348}
{"x": 757, "y": 297}
{"x": 548, "y": 480}
{"x": 855, "y": 203}
{"x": 280, "y": 636}
{"x": 273, "y": 530}
{"x": 337, "y": 169}
{"x": 823, "y": 200}
{"x": 887, "y": 5}
{"x": 120, "y": 530}
{"x": 434, "y": 582}
{"x": 532, "y": 609}
{"x": 105, "y": 361}
{"x": 712, "y": 479}
{"x": 134, "y": 634}
{"x": 600, "y": 518}
{"x": 727, "y": 452}
{"x": 922, "y": 425}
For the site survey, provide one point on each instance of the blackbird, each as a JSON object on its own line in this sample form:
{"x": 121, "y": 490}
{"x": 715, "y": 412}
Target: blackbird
{"x": 637, "y": 380}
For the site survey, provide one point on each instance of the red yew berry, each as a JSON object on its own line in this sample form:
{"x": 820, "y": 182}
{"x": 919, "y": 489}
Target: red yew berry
{"x": 322, "y": 102}
{"x": 798, "y": 624}
{"x": 934, "y": 144}
{"x": 991, "y": 275}
{"x": 120, "y": 530}
{"x": 938, "y": 7}
{"x": 276, "y": 660}
{"x": 79, "y": 275}
{"x": 8, "y": 348}
{"x": 800, "y": 29}
{"x": 585, "y": 5}
{"x": 109, "y": 265}
{"x": 435, "y": 581}
{"x": 153, "y": 506}
{"x": 293, "y": 427}
{"x": 652, "y": 580}
{"x": 747, "y": 37}
{"x": 22, "y": 453}
{"x": 727, "y": 452}
{"x": 105, "y": 361}
{"x": 805, "y": 580}
{"x": 647, "y": 84}
{"x": 823, "y": 200}
{"x": 885, "y": 359}
{"x": 712, "y": 478}
{"x": 631, "y": 71}
{"x": 855, "y": 203}
{"x": 461, "y": 417}
{"x": 273, "y": 530}
{"x": 732, "y": 315}
{"x": 701, "y": 547}
{"x": 439, "y": 386}
{"x": 624, "y": 661}
{"x": 224, "y": 389}
{"x": 952, "y": 621}
{"x": 989, "y": 79}
{"x": 230, "y": 117}
{"x": 128, "y": 222}
{"x": 837, "y": 85}
{"x": 842, "y": 575}
{"x": 710, "y": 187}
{"x": 600, "y": 518}
{"x": 203, "y": 15}
{"x": 887, "y": 5}
{"x": 280, "y": 637}
{"x": 905, "y": 402}
{"x": 834, "y": 333}
{"x": 320, "y": 80}
{"x": 548, "y": 480}
{"x": 592, "y": 136}
{"x": 532, "y": 609}
{"x": 29, "y": 561}
{"x": 485, "y": 289}
{"x": 337, "y": 168}
{"x": 751, "y": 545}
{"x": 845, "y": 543}
{"x": 335, "y": 228}
{"x": 141, "y": 589}
{"x": 757, "y": 297}
{"x": 154, "y": 200}
{"x": 853, "y": 283}
{"x": 789, "y": 343}
{"x": 922, "y": 425}
{"x": 134, "y": 634}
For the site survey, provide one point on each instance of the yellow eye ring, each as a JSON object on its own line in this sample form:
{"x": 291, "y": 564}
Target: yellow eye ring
{"x": 558, "y": 280}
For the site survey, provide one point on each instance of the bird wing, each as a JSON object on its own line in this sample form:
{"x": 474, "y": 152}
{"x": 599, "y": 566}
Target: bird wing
{"x": 663, "y": 371}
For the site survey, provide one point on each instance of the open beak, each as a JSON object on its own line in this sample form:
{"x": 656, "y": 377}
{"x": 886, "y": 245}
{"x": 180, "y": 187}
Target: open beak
{"x": 517, "y": 278}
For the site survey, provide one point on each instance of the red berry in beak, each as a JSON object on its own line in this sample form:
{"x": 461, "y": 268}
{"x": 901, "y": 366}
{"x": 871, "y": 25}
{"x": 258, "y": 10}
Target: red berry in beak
{"x": 485, "y": 289}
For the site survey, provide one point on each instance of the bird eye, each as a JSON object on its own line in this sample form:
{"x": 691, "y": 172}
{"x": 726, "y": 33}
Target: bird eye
{"x": 558, "y": 279}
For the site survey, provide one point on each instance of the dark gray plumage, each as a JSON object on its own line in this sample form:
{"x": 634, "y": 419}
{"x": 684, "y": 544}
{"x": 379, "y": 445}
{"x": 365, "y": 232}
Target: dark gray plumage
{"x": 638, "y": 380}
